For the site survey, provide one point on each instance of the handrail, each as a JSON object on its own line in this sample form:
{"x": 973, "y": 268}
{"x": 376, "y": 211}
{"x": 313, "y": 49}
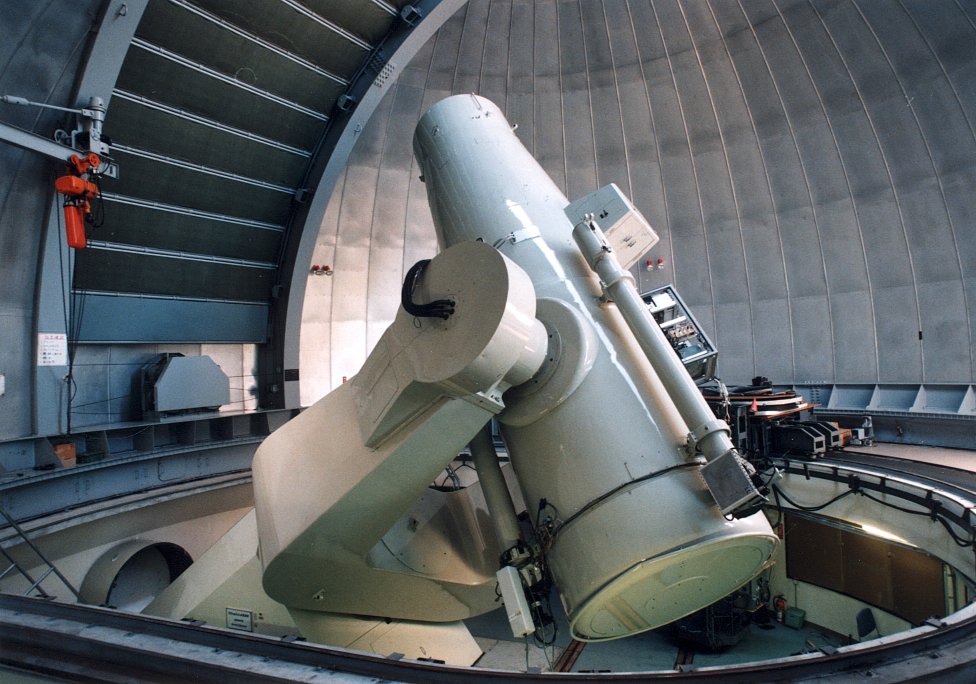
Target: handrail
{"x": 34, "y": 584}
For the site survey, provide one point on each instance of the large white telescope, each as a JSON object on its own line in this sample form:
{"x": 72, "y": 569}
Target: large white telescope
{"x": 612, "y": 437}
{"x": 641, "y": 511}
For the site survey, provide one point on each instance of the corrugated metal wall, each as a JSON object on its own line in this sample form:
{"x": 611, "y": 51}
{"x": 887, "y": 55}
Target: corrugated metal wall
{"x": 809, "y": 165}
{"x": 43, "y": 45}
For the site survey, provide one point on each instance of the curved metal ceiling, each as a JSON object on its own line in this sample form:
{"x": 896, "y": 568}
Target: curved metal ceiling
{"x": 805, "y": 162}
{"x": 225, "y": 119}
{"x": 808, "y": 164}
{"x": 215, "y": 119}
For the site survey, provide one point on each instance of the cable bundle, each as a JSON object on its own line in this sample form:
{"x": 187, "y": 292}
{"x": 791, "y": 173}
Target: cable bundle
{"x": 439, "y": 308}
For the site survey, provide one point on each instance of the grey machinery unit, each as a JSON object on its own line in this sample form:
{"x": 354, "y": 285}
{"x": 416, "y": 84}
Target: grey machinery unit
{"x": 683, "y": 332}
{"x": 173, "y": 384}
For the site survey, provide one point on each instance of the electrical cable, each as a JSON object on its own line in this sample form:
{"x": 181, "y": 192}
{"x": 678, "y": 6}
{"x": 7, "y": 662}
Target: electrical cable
{"x": 453, "y": 476}
{"x": 98, "y": 214}
{"x": 931, "y": 512}
{"x": 779, "y": 508}
{"x": 810, "y": 509}
{"x": 439, "y": 308}
{"x": 613, "y": 492}
{"x": 541, "y": 618}
{"x": 65, "y": 306}
{"x": 74, "y": 332}
{"x": 102, "y": 401}
{"x": 928, "y": 513}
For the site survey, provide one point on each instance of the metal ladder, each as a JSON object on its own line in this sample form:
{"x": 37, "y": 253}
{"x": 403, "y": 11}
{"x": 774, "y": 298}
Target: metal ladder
{"x": 35, "y": 584}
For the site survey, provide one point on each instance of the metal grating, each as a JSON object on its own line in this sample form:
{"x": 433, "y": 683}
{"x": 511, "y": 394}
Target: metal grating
{"x": 215, "y": 120}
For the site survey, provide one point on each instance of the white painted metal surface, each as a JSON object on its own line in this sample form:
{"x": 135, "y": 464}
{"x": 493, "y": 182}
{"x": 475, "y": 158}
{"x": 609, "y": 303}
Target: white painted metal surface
{"x": 516, "y": 607}
{"x": 637, "y": 540}
{"x": 332, "y": 486}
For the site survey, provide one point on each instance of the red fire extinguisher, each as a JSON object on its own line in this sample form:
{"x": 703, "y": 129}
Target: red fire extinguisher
{"x": 779, "y": 607}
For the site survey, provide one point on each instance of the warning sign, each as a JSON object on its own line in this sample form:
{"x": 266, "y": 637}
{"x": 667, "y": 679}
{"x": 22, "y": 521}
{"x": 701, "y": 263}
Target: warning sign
{"x": 52, "y": 349}
{"x": 240, "y": 619}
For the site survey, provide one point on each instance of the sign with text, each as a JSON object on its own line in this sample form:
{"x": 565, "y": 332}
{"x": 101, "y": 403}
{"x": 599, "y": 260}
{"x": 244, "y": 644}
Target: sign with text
{"x": 240, "y": 619}
{"x": 52, "y": 349}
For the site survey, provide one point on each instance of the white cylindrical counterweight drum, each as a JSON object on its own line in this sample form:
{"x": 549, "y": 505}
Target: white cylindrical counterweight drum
{"x": 596, "y": 442}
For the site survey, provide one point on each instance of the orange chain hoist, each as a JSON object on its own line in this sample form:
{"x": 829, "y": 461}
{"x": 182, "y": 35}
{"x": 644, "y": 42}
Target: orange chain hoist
{"x": 78, "y": 190}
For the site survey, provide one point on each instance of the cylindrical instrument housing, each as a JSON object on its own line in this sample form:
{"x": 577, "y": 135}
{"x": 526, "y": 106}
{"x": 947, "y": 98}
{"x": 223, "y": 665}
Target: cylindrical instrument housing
{"x": 596, "y": 442}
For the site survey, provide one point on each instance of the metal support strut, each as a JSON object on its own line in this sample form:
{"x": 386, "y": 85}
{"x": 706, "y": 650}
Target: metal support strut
{"x": 34, "y": 584}
{"x": 727, "y": 473}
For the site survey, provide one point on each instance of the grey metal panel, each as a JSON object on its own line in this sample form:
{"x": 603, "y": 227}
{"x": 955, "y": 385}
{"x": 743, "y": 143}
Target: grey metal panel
{"x": 190, "y": 382}
{"x": 945, "y": 107}
{"x": 238, "y": 363}
{"x": 419, "y": 238}
{"x": 787, "y": 177}
{"x": 643, "y": 168}
{"x": 123, "y": 400}
{"x": 578, "y": 123}
{"x": 113, "y": 478}
{"x": 727, "y": 130}
{"x": 42, "y": 49}
{"x": 497, "y": 66}
{"x": 946, "y": 352}
{"x": 369, "y": 21}
{"x": 151, "y": 319}
{"x": 142, "y": 225}
{"x": 146, "y": 273}
{"x": 403, "y": 46}
{"x": 212, "y": 45}
{"x": 949, "y": 33}
{"x": 187, "y": 187}
{"x": 282, "y": 24}
{"x": 386, "y": 262}
{"x": 856, "y": 357}
{"x": 641, "y": 143}
{"x": 315, "y": 360}
{"x": 763, "y": 149}
{"x": 774, "y": 349}
{"x": 471, "y": 51}
{"x": 91, "y": 398}
{"x": 609, "y": 144}
{"x": 899, "y": 349}
{"x": 21, "y": 209}
{"x": 907, "y": 161}
{"x": 751, "y": 162}
{"x": 350, "y": 282}
{"x": 141, "y": 125}
{"x": 447, "y": 41}
{"x": 687, "y": 259}
{"x": 734, "y": 323}
{"x": 939, "y": 130}
{"x": 547, "y": 127}
{"x": 163, "y": 80}
{"x": 827, "y": 183}
{"x": 962, "y": 206}
{"x": 107, "y": 381}
{"x": 812, "y": 353}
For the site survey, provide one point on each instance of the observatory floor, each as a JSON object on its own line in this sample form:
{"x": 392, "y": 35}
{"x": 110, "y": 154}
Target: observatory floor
{"x": 650, "y": 651}
{"x": 656, "y": 650}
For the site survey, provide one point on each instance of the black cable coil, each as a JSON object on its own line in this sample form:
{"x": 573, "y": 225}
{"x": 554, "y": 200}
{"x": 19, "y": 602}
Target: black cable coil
{"x": 439, "y": 308}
